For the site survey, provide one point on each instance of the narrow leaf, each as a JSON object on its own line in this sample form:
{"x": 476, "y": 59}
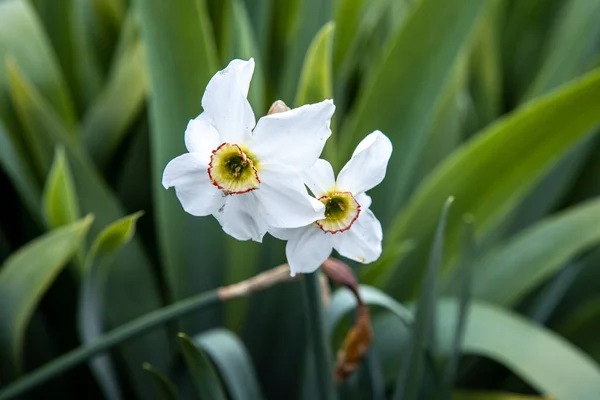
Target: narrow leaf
{"x": 202, "y": 370}
{"x": 544, "y": 360}
{"x": 232, "y": 360}
{"x": 536, "y": 130}
{"x": 60, "y": 200}
{"x": 165, "y": 388}
{"x": 116, "y": 107}
{"x": 506, "y": 274}
{"x": 92, "y": 296}
{"x": 406, "y": 85}
{"x": 25, "y": 277}
{"x": 423, "y": 339}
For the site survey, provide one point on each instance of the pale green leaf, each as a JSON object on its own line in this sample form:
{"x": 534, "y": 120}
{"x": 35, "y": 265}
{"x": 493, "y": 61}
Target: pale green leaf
{"x": 544, "y": 360}
{"x": 483, "y": 174}
{"x": 24, "y": 278}
{"x": 508, "y": 273}
{"x": 59, "y": 199}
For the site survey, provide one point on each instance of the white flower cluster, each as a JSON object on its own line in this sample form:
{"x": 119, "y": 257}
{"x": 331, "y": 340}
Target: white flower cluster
{"x": 252, "y": 176}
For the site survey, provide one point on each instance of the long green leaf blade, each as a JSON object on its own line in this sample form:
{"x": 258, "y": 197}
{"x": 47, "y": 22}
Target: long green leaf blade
{"x": 506, "y": 274}
{"x": 406, "y": 86}
{"x": 206, "y": 379}
{"x": 543, "y": 359}
{"x": 24, "y": 278}
{"x": 494, "y": 183}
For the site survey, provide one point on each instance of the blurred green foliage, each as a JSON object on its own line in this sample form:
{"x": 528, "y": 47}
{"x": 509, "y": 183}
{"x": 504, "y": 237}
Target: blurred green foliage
{"x": 493, "y": 102}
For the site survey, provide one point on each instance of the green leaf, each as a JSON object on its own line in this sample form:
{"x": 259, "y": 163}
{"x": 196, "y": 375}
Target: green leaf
{"x": 568, "y": 52}
{"x": 300, "y": 20}
{"x": 316, "y": 82}
{"x": 569, "y": 49}
{"x": 494, "y": 187}
{"x": 60, "y": 200}
{"x": 508, "y": 273}
{"x": 464, "y": 294}
{"x": 106, "y": 122}
{"x": 58, "y": 20}
{"x": 486, "y": 69}
{"x": 233, "y": 362}
{"x": 544, "y": 360}
{"x": 422, "y": 339}
{"x": 24, "y": 278}
{"x": 201, "y": 369}
{"x": 135, "y": 277}
{"x": 114, "y": 236}
{"x": 13, "y": 163}
{"x": 164, "y": 386}
{"x": 347, "y": 19}
{"x": 132, "y": 329}
{"x": 407, "y": 83}
{"x": 181, "y": 58}
{"x": 19, "y": 24}
{"x": 92, "y": 296}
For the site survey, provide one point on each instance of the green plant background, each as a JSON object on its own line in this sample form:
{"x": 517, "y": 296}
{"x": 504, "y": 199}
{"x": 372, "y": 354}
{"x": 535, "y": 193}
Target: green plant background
{"x": 493, "y": 102}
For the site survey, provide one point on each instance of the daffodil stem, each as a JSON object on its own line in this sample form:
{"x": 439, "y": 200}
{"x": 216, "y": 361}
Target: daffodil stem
{"x": 109, "y": 340}
{"x": 317, "y": 337}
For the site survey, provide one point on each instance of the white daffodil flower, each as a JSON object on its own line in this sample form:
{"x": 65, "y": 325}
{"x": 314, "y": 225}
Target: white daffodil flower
{"x": 349, "y": 226}
{"x": 248, "y": 174}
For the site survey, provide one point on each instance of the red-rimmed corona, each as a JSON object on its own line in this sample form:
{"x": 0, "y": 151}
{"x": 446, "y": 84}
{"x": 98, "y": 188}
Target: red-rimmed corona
{"x": 248, "y": 174}
{"x": 341, "y": 211}
{"x": 349, "y": 226}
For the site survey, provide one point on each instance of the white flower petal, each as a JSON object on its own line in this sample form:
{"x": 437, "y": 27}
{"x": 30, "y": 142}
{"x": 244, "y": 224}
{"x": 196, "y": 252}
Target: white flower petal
{"x": 225, "y": 102}
{"x": 194, "y": 190}
{"x": 241, "y": 217}
{"x": 293, "y": 140}
{"x": 364, "y": 200}
{"x": 319, "y": 178}
{"x": 286, "y": 202}
{"x": 307, "y": 249}
{"x": 366, "y": 168}
{"x": 362, "y": 242}
{"x": 201, "y": 137}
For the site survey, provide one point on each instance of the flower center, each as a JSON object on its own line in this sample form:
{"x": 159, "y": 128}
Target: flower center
{"x": 233, "y": 170}
{"x": 341, "y": 210}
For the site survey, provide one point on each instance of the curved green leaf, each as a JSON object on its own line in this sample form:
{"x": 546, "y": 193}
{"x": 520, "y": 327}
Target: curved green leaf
{"x": 135, "y": 278}
{"x": 60, "y": 200}
{"x": 422, "y": 335}
{"x": 90, "y": 319}
{"x": 233, "y": 362}
{"x": 19, "y": 24}
{"x": 484, "y": 176}
{"x": 201, "y": 369}
{"x": 316, "y": 81}
{"x": 506, "y": 274}
{"x": 164, "y": 386}
{"x": 25, "y": 276}
{"x": 407, "y": 83}
{"x": 541, "y": 358}
{"x": 14, "y": 164}
{"x": 120, "y": 102}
